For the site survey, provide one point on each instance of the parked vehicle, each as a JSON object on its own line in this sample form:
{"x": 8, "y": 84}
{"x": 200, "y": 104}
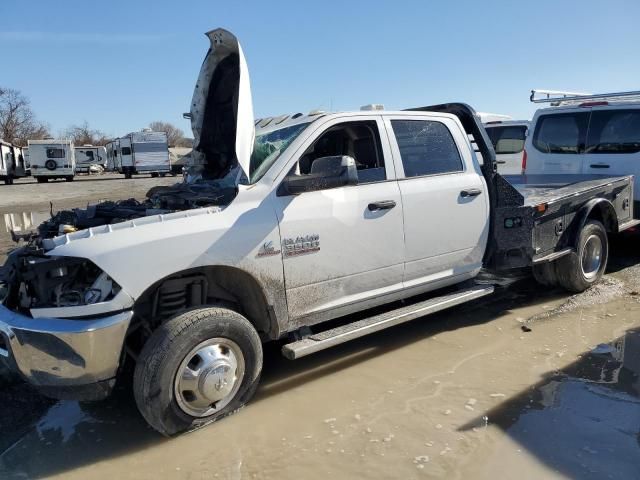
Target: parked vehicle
{"x": 143, "y": 152}
{"x": 88, "y": 156}
{"x": 585, "y": 134}
{"x": 276, "y": 230}
{"x": 51, "y": 159}
{"x": 507, "y": 138}
{"x": 12, "y": 162}
{"x": 493, "y": 117}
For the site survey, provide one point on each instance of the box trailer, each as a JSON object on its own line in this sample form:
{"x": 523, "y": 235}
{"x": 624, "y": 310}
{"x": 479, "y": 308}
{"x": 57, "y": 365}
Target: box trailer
{"x": 143, "y": 152}
{"x": 12, "y": 162}
{"x": 51, "y": 159}
{"x": 88, "y": 155}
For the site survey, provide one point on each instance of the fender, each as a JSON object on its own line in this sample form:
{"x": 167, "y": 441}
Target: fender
{"x": 599, "y": 209}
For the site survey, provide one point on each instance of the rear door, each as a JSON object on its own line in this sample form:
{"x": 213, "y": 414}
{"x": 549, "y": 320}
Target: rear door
{"x": 613, "y": 143}
{"x": 444, "y": 198}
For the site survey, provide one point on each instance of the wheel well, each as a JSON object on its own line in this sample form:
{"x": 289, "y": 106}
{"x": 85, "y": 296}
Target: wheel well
{"x": 227, "y": 286}
{"x": 605, "y": 214}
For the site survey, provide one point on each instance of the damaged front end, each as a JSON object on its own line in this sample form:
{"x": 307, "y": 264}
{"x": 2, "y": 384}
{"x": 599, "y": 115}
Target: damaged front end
{"x": 31, "y": 278}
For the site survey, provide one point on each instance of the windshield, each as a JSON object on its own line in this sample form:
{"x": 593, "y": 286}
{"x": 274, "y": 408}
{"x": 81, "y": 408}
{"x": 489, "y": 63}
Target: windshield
{"x": 268, "y": 147}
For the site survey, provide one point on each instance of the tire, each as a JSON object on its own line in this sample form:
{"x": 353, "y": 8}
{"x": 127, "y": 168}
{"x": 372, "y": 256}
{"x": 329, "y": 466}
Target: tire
{"x": 580, "y": 270}
{"x": 50, "y": 165}
{"x": 545, "y": 274}
{"x": 42, "y": 179}
{"x": 127, "y": 175}
{"x": 176, "y": 346}
{"x": 154, "y": 175}
{"x": 68, "y": 179}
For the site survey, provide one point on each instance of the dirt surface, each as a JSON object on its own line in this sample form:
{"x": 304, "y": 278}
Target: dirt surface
{"x": 528, "y": 383}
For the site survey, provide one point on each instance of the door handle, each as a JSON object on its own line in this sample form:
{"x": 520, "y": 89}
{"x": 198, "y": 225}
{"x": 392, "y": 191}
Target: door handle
{"x": 381, "y": 205}
{"x": 470, "y": 192}
{"x": 501, "y": 162}
{"x": 599, "y": 165}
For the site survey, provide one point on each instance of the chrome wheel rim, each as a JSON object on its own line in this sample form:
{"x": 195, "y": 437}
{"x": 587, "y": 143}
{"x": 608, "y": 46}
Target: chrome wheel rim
{"x": 209, "y": 377}
{"x": 592, "y": 256}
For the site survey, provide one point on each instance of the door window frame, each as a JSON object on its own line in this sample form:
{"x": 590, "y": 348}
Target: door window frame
{"x": 460, "y": 140}
{"x": 322, "y": 128}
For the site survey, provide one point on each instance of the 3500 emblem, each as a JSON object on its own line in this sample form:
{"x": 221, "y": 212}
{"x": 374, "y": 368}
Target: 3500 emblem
{"x": 301, "y": 245}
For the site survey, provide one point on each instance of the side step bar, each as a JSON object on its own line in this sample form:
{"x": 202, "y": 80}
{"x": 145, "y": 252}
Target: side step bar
{"x": 329, "y": 338}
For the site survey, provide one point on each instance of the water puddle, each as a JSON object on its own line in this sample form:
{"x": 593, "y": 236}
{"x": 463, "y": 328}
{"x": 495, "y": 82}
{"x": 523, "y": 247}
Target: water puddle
{"x": 584, "y": 420}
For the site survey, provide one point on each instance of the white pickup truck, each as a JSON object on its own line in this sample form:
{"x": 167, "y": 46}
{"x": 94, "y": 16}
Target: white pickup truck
{"x": 279, "y": 227}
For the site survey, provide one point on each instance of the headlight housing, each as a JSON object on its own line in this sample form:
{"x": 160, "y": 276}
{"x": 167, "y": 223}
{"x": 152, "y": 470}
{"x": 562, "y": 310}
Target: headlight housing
{"x": 62, "y": 282}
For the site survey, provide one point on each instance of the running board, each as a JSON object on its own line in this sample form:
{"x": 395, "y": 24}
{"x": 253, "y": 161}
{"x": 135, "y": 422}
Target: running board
{"x": 329, "y": 338}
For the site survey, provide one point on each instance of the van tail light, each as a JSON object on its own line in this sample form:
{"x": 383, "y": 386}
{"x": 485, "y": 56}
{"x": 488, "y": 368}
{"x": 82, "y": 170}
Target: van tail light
{"x": 524, "y": 162}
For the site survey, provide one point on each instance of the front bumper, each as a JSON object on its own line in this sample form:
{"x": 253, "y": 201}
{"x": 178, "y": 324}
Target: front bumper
{"x": 54, "y": 353}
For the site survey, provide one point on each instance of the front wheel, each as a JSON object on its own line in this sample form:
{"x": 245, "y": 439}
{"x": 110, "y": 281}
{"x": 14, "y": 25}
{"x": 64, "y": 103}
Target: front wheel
{"x": 197, "y": 368}
{"x": 583, "y": 268}
{"x": 68, "y": 178}
{"x": 42, "y": 179}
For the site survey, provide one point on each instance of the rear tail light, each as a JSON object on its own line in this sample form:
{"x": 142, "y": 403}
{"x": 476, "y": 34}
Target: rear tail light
{"x": 524, "y": 162}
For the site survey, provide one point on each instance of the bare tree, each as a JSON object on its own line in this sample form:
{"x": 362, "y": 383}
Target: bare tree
{"x": 17, "y": 121}
{"x": 175, "y": 136}
{"x": 83, "y": 134}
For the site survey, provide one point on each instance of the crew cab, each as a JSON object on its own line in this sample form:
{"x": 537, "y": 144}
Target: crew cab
{"x": 282, "y": 224}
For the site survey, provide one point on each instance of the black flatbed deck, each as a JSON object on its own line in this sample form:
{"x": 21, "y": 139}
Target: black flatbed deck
{"x": 538, "y": 189}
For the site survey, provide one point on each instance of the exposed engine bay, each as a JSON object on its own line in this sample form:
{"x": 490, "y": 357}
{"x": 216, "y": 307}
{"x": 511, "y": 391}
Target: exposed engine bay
{"x": 32, "y": 279}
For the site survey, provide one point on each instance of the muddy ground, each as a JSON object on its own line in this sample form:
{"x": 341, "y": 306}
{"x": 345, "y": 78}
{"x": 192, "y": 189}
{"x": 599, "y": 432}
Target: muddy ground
{"x": 528, "y": 383}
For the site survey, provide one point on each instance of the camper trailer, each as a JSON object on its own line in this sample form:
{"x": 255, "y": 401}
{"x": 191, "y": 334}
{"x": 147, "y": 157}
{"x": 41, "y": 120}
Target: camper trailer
{"x": 51, "y": 159}
{"x": 89, "y": 155}
{"x": 12, "y": 162}
{"x": 111, "y": 151}
{"x": 143, "y": 152}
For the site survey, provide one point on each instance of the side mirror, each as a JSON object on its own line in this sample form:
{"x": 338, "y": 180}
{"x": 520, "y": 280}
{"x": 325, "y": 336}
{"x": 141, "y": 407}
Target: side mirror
{"x": 326, "y": 173}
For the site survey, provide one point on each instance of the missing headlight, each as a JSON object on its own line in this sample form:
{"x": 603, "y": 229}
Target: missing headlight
{"x": 63, "y": 282}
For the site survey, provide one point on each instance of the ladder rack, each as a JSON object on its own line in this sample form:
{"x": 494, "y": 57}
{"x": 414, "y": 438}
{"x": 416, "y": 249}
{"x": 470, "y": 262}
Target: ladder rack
{"x": 556, "y": 97}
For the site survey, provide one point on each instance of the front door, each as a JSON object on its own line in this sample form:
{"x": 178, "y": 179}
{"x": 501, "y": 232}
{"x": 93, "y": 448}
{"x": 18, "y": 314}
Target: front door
{"x": 343, "y": 247}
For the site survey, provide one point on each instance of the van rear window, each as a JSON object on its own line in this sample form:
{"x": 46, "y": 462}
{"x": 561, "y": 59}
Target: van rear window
{"x": 507, "y": 139}
{"x": 561, "y": 133}
{"x": 125, "y": 151}
{"x": 614, "y": 131}
{"x": 55, "y": 153}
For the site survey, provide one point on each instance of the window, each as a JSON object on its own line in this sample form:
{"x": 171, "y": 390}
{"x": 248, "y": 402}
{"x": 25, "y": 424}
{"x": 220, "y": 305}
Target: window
{"x": 125, "y": 151}
{"x": 426, "y": 148}
{"x": 561, "y": 133}
{"x": 360, "y": 140}
{"x": 614, "y": 131}
{"x": 89, "y": 154}
{"x": 55, "y": 153}
{"x": 507, "y": 139}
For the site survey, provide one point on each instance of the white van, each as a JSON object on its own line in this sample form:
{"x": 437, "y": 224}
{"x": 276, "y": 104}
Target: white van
{"x": 51, "y": 159}
{"x": 88, "y": 155}
{"x": 508, "y": 139}
{"x": 587, "y": 134}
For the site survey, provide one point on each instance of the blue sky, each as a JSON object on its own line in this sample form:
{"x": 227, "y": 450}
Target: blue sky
{"x": 122, "y": 64}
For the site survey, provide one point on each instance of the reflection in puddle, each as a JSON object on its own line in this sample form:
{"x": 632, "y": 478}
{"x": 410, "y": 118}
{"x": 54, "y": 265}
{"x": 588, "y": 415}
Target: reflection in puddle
{"x": 21, "y": 221}
{"x": 583, "y": 421}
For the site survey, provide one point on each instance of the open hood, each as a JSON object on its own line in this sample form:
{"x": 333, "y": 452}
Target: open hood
{"x": 221, "y": 109}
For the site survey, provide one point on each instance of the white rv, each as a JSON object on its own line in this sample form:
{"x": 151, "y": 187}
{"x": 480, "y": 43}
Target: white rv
{"x": 12, "y": 162}
{"x": 88, "y": 155}
{"x": 51, "y": 159}
{"x": 143, "y": 152}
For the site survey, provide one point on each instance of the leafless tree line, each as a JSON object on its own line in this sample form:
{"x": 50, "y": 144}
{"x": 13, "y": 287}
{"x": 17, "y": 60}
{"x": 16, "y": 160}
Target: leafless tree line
{"x": 18, "y": 124}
